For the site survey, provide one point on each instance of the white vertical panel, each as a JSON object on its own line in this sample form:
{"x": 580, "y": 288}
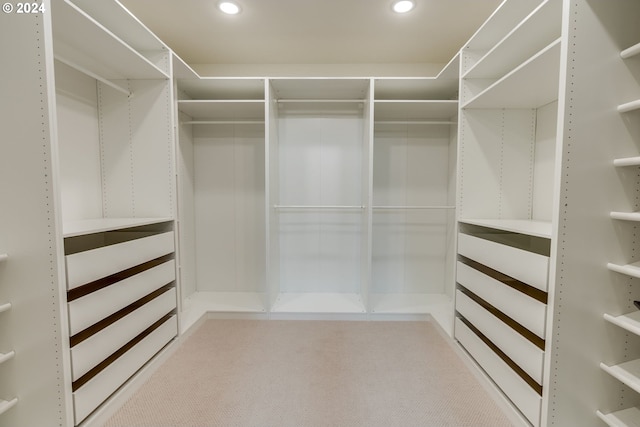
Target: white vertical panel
{"x": 545, "y": 160}
{"x": 187, "y": 232}
{"x": 272, "y": 166}
{"x": 79, "y": 148}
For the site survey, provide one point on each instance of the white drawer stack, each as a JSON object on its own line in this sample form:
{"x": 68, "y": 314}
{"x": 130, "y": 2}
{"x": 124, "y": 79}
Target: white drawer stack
{"x": 501, "y": 311}
{"x": 121, "y": 299}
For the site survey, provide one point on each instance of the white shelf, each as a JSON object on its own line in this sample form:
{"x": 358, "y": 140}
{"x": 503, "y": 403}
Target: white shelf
{"x": 628, "y": 269}
{"x": 7, "y": 356}
{"x": 414, "y": 110}
{"x": 629, "y": 106}
{"x": 630, "y": 322}
{"x": 318, "y": 303}
{"x": 626, "y": 216}
{"x": 542, "y": 26}
{"x": 628, "y": 373}
{"x": 428, "y": 88}
{"x": 630, "y": 51}
{"x": 629, "y": 417}
{"x": 531, "y": 85}
{"x": 100, "y": 225}
{"x": 521, "y": 226}
{"x": 97, "y": 50}
{"x": 627, "y": 161}
{"x": 5, "y": 405}
{"x": 215, "y": 88}
{"x": 236, "y": 110}
{"x": 5, "y": 307}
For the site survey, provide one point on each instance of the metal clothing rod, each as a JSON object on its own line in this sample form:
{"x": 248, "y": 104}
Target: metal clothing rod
{"x": 5, "y": 405}
{"x": 413, "y": 207}
{"x": 319, "y": 100}
{"x": 316, "y": 207}
{"x": 631, "y": 51}
{"x": 94, "y": 75}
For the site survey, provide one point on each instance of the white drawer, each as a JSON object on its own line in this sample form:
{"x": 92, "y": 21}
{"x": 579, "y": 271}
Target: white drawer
{"x": 519, "y": 349}
{"x": 91, "y": 308}
{"x": 90, "y": 352}
{"x": 88, "y": 266}
{"x": 525, "y": 266}
{"x": 525, "y": 310}
{"x": 88, "y": 397}
{"x": 517, "y": 390}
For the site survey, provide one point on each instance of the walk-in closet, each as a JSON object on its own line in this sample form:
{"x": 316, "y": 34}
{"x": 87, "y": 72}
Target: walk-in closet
{"x": 493, "y": 193}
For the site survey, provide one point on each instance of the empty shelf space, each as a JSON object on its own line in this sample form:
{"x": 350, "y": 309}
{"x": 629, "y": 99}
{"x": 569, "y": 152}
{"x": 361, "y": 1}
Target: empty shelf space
{"x": 628, "y": 373}
{"x": 627, "y": 161}
{"x": 629, "y": 106}
{"x": 541, "y": 26}
{"x": 234, "y": 110}
{"x": 7, "y": 356}
{"x": 98, "y": 51}
{"x": 409, "y": 303}
{"x": 531, "y": 85}
{"x": 630, "y": 51}
{"x": 630, "y": 321}
{"x": 100, "y": 225}
{"x": 629, "y": 417}
{"x": 628, "y": 269}
{"x": 420, "y": 88}
{"x": 521, "y": 226}
{"x": 5, "y": 405}
{"x": 626, "y": 216}
{"x": 318, "y": 303}
{"x": 216, "y": 88}
{"x": 413, "y": 110}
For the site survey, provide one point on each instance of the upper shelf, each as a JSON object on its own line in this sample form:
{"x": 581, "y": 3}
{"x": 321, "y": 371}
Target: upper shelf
{"x": 414, "y": 110}
{"x": 628, "y": 373}
{"x": 531, "y": 85}
{"x": 214, "y": 88}
{"x": 320, "y": 88}
{"x": 239, "y": 110}
{"x": 97, "y": 50}
{"x": 100, "y": 225}
{"x": 630, "y": 51}
{"x": 540, "y": 28}
{"x": 629, "y": 106}
{"x": 520, "y": 226}
{"x": 416, "y": 88}
{"x": 629, "y": 322}
{"x": 627, "y": 161}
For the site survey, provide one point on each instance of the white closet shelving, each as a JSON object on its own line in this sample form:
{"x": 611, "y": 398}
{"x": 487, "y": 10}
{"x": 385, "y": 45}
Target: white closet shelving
{"x": 318, "y": 195}
{"x": 222, "y": 181}
{"x": 413, "y": 179}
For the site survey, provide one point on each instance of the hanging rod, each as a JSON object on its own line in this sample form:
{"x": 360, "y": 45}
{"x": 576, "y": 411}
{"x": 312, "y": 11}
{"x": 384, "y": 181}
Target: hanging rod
{"x": 5, "y": 307}
{"x": 414, "y": 122}
{"x": 223, "y": 122}
{"x": 94, "y": 76}
{"x": 317, "y": 207}
{"x": 284, "y": 101}
{"x": 412, "y": 207}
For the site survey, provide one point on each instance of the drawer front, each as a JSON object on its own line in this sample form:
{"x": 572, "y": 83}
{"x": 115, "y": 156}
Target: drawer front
{"x": 88, "y": 397}
{"x": 91, "y": 308}
{"x": 516, "y": 389}
{"x": 88, "y": 266}
{"x": 527, "y": 267}
{"x": 90, "y": 352}
{"x": 519, "y": 349}
{"x": 525, "y": 310}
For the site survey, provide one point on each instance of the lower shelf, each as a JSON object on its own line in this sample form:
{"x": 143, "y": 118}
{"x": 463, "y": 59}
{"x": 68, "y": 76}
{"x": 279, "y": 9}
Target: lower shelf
{"x": 318, "y": 303}
{"x": 628, "y": 373}
{"x": 626, "y": 418}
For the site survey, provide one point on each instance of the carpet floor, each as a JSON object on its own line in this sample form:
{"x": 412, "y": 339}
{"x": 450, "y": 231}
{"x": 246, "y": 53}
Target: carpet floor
{"x": 253, "y": 373}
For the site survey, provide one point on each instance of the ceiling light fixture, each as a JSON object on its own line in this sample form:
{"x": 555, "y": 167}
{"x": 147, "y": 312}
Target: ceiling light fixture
{"x": 403, "y": 6}
{"x": 229, "y": 7}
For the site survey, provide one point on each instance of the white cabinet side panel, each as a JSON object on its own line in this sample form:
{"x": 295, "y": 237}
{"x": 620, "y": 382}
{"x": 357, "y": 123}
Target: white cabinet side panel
{"x": 186, "y": 209}
{"x": 545, "y": 161}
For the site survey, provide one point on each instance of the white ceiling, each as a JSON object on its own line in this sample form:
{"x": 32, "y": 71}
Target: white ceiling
{"x": 313, "y": 31}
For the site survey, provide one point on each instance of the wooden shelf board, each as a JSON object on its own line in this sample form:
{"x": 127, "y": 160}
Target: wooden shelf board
{"x": 628, "y": 373}
{"x": 414, "y": 110}
{"x": 627, "y": 161}
{"x": 541, "y": 26}
{"x": 630, "y": 321}
{"x": 100, "y": 225}
{"x": 521, "y": 226}
{"x": 632, "y": 270}
{"x": 626, "y": 216}
{"x": 98, "y": 51}
{"x": 318, "y": 303}
{"x": 629, "y": 417}
{"x": 531, "y": 85}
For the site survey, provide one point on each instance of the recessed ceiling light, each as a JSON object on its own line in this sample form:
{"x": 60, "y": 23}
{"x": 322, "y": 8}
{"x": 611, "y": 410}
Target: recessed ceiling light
{"x": 403, "y": 6}
{"x": 229, "y": 7}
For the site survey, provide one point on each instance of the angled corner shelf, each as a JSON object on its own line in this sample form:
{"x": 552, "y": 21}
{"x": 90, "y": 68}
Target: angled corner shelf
{"x": 625, "y": 418}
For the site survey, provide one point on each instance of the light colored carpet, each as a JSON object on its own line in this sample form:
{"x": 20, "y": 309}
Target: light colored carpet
{"x": 250, "y": 373}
